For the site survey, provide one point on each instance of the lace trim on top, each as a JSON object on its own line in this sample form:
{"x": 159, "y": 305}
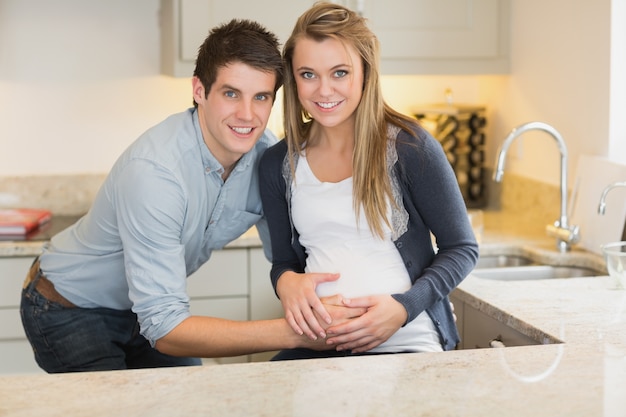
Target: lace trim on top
{"x": 399, "y": 215}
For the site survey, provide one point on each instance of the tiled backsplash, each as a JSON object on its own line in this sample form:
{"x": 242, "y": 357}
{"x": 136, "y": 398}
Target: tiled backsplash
{"x": 534, "y": 202}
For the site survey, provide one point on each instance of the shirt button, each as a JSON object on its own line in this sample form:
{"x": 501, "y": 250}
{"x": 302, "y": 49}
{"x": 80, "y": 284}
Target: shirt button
{"x": 399, "y": 245}
{"x": 207, "y": 170}
{"x": 409, "y": 264}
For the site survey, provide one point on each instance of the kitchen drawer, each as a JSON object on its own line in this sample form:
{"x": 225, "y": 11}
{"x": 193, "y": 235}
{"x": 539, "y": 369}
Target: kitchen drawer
{"x": 233, "y": 308}
{"x": 12, "y": 274}
{"x": 225, "y": 274}
{"x": 11, "y": 324}
{"x": 16, "y": 357}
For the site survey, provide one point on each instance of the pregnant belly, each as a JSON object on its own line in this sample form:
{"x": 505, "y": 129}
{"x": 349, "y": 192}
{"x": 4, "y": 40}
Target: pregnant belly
{"x": 360, "y": 274}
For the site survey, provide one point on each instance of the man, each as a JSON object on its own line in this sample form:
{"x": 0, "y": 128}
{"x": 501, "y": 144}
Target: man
{"x": 109, "y": 291}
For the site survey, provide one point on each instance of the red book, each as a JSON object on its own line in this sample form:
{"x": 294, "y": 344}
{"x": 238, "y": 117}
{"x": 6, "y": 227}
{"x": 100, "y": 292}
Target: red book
{"x": 20, "y": 221}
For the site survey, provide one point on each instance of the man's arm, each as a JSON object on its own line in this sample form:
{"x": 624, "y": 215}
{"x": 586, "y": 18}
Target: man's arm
{"x": 211, "y": 337}
{"x": 207, "y": 337}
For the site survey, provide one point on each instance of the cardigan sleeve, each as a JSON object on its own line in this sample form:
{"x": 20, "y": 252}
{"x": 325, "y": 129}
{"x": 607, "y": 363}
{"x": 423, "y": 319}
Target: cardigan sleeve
{"x": 273, "y": 190}
{"x": 433, "y": 199}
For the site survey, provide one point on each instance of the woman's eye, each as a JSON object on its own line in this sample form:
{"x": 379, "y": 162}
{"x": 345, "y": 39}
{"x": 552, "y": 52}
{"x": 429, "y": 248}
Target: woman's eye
{"x": 341, "y": 73}
{"x": 307, "y": 75}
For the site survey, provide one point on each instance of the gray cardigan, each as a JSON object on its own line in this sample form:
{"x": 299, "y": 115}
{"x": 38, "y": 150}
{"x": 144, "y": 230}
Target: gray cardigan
{"x": 425, "y": 185}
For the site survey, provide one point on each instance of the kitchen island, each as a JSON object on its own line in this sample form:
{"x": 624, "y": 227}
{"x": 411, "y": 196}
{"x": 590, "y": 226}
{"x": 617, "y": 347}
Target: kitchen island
{"x": 579, "y": 374}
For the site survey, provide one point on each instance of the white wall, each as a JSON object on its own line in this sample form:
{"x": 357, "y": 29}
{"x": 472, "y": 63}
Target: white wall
{"x": 617, "y": 127}
{"x": 568, "y": 69}
{"x": 79, "y": 81}
{"x": 560, "y": 75}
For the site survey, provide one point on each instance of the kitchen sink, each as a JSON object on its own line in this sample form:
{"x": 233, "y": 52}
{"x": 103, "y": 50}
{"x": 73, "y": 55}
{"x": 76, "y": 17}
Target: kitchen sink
{"x": 502, "y": 261}
{"x": 535, "y": 272}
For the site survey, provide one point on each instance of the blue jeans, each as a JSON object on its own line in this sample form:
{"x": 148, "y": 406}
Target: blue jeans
{"x": 87, "y": 339}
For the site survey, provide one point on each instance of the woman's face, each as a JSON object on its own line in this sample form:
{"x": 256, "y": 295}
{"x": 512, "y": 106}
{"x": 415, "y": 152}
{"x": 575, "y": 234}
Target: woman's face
{"x": 329, "y": 79}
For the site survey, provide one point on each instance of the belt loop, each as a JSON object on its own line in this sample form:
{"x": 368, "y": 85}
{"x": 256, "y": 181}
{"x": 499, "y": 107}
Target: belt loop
{"x": 36, "y": 275}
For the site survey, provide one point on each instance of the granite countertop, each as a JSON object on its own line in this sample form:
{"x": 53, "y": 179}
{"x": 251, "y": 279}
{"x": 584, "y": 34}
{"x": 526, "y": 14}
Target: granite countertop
{"x": 32, "y": 244}
{"x": 582, "y": 376}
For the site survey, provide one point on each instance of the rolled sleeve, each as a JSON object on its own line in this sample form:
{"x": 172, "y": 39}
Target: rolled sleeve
{"x": 151, "y": 212}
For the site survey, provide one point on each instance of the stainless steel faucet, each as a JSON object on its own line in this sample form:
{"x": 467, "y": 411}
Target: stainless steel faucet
{"x": 602, "y": 205}
{"x": 565, "y": 234}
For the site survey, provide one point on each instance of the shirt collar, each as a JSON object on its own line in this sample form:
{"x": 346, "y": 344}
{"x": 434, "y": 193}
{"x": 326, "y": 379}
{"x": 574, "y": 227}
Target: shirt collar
{"x": 209, "y": 161}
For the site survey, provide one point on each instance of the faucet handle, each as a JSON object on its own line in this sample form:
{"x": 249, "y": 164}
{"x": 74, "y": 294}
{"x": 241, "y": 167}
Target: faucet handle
{"x": 565, "y": 236}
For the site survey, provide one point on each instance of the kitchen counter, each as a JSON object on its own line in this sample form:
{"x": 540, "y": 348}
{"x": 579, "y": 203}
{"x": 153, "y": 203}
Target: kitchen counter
{"x": 522, "y": 381}
{"x": 582, "y": 376}
{"x": 32, "y": 244}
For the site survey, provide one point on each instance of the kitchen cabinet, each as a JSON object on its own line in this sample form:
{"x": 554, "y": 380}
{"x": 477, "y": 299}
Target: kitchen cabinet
{"x": 478, "y": 329}
{"x": 235, "y": 285}
{"x": 264, "y": 304}
{"x": 219, "y": 288}
{"x": 186, "y": 23}
{"x": 16, "y": 355}
{"x": 416, "y": 36}
{"x": 459, "y": 307}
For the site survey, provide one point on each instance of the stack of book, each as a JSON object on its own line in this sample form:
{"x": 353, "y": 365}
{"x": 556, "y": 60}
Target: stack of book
{"x": 22, "y": 221}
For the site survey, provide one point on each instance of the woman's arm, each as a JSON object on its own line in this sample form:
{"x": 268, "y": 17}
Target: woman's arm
{"x": 433, "y": 199}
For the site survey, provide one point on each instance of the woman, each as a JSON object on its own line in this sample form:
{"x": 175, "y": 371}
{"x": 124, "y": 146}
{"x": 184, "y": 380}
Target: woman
{"x": 351, "y": 197}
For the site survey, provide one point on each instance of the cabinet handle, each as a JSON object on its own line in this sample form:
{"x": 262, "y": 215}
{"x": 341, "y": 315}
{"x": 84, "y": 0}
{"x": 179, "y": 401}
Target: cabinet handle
{"x": 497, "y": 342}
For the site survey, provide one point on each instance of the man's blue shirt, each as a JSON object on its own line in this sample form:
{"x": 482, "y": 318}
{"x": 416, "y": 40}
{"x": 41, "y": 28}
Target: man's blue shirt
{"x": 160, "y": 213}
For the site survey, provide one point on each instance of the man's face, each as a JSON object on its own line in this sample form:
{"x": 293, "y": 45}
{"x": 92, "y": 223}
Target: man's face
{"x": 235, "y": 113}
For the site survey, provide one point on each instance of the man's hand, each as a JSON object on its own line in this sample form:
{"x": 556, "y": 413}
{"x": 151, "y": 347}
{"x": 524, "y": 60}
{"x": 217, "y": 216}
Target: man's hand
{"x": 304, "y": 310}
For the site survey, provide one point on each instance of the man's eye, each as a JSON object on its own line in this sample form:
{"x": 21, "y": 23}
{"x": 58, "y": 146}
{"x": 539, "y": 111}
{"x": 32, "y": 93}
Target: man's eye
{"x": 261, "y": 97}
{"x": 230, "y": 94}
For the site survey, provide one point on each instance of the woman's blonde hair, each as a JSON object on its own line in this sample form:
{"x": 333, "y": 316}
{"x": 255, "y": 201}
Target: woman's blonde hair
{"x": 372, "y": 186}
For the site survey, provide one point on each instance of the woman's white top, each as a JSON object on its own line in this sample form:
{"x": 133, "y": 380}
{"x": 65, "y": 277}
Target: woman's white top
{"x": 324, "y": 216}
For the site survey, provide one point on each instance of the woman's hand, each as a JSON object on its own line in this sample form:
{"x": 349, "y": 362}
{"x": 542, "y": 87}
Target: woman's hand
{"x": 384, "y": 316}
{"x": 301, "y": 303}
{"x": 340, "y": 314}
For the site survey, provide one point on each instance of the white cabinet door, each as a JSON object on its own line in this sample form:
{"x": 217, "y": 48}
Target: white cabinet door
{"x": 417, "y": 36}
{"x": 186, "y": 23}
{"x": 16, "y": 355}
{"x": 264, "y": 303}
{"x": 225, "y": 274}
{"x": 232, "y": 308}
{"x": 459, "y": 310}
{"x": 12, "y": 274}
{"x": 220, "y": 288}
{"x": 441, "y": 36}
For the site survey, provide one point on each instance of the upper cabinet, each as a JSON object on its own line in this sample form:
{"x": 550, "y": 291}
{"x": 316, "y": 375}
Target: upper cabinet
{"x": 416, "y": 36}
{"x": 441, "y": 36}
